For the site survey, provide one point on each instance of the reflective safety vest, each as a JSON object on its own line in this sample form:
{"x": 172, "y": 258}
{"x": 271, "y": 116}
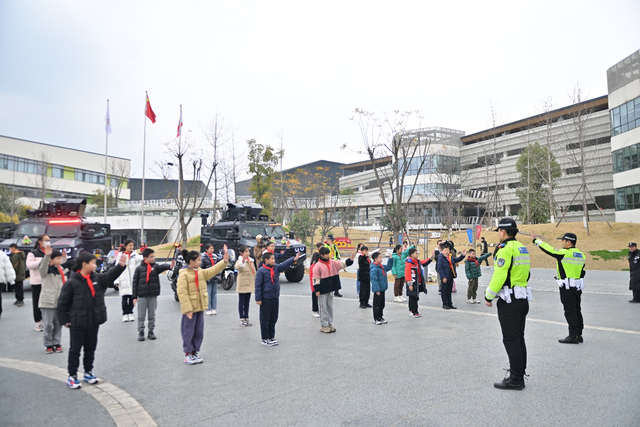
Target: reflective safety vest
{"x": 571, "y": 264}
{"x": 511, "y": 272}
{"x": 334, "y": 252}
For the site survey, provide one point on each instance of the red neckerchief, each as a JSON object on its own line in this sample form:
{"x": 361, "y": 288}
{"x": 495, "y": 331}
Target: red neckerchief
{"x": 380, "y": 265}
{"x": 273, "y": 251}
{"x": 451, "y": 265}
{"x": 417, "y": 264}
{"x": 90, "y": 283}
{"x": 62, "y": 274}
{"x": 369, "y": 260}
{"x": 474, "y": 260}
{"x": 327, "y": 263}
{"x": 148, "y": 271}
{"x": 272, "y": 271}
{"x": 253, "y": 271}
{"x": 211, "y": 258}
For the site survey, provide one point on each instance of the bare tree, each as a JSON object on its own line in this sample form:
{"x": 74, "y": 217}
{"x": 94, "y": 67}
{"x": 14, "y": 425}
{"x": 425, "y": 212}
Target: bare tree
{"x": 119, "y": 174}
{"x": 218, "y": 134}
{"x": 191, "y": 164}
{"x": 447, "y": 184}
{"x": 43, "y": 180}
{"x": 387, "y": 138}
{"x": 231, "y": 164}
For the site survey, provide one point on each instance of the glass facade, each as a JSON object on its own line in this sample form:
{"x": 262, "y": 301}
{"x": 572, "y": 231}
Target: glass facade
{"x": 89, "y": 176}
{"x": 431, "y": 188}
{"x": 19, "y": 164}
{"x": 625, "y": 117}
{"x": 628, "y": 198}
{"x": 626, "y": 158}
{"x": 432, "y": 165}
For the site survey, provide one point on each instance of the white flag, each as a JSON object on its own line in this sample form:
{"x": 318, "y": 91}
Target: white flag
{"x": 180, "y": 123}
{"x": 107, "y": 119}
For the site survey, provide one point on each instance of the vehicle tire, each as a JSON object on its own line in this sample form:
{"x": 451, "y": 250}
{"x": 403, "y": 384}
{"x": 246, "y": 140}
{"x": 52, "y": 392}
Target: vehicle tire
{"x": 295, "y": 276}
{"x": 228, "y": 282}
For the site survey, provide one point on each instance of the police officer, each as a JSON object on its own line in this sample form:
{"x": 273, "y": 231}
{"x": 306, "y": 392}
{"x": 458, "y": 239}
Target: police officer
{"x": 571, "y": 263}
{"x": 634, "y": 272}
{"x": 334, "y": 253}
{"x": 509, "y": 284}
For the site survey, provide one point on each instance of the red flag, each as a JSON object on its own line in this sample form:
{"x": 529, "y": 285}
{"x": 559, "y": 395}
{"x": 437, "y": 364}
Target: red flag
{"x": 149, "y": 112}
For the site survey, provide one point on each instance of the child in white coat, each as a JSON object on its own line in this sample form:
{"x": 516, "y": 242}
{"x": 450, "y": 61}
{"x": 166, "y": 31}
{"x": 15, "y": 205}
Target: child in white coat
{"x": 125, "y": 281}
{"x": 7, "y": 274}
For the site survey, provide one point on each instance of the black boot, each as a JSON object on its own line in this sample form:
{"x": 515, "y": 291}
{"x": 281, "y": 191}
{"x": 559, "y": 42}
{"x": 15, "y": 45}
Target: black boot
{"x": 570, "y": 340}
{"x": 512, "y": 382}
{"x": 337, "y": 293}
{"x": 151, "y": 336}
{"x": 141, "y": 336}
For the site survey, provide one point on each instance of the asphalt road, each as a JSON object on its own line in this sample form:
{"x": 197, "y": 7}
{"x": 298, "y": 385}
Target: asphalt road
{"x": 437, "y": 370}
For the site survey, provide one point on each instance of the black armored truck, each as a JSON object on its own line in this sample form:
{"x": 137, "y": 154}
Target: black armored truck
{"x": 62, "y": 221}
{"x": 243, "y": 225}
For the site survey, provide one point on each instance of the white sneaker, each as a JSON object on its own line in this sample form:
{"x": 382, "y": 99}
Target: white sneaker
{"x": 214, "y": 312}
{"x": 131, "y": 318}
{"x": 403, "y": 299}
{"x": 197, "y": 358}
{"x": 477, "y": 302}
{"x": 39, "y": 327}
{"x": 316, "y": 314}
{"x": 125, "y": 318}
{"x": 190, "y": 360}
{"x": 470, "y": 301}
{"x": 397, "y": 299}
{"x": 208, "y": 312}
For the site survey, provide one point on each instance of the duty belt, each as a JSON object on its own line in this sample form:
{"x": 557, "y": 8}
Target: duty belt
{"x": 518, "y": 292}
{"x": 571, "y": 283}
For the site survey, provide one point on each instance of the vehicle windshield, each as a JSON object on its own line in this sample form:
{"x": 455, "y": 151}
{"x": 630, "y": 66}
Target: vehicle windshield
{"x": 274, "y": 231}
{"x": 63, "y": 230}
{"x": 251, "y": 231}
{"x": 31, "y": 229}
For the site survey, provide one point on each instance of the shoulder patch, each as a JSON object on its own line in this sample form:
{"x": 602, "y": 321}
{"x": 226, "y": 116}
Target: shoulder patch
{"x": 577, "y": 255}
{"x": 500, "y": 262}
{"x": 523, "y": 250}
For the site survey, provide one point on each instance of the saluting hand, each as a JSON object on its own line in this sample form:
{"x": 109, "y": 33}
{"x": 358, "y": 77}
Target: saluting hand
{"x": 48, "y": 250}
{"x": 122, "y": 260}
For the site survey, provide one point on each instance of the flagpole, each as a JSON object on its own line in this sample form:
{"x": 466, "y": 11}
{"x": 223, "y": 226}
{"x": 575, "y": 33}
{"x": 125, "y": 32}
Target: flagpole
{"x": 106, "y": 161}
{"x": 144, "y": 153}
{"x": 179, "y": 171}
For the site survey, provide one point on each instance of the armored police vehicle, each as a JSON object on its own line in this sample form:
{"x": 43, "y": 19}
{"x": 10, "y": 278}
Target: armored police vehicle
{"x": 242, "y": 224}
{"x": 62, "y": 221}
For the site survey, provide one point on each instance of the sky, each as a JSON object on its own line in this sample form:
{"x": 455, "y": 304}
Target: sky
{"x": 292, "y": 69}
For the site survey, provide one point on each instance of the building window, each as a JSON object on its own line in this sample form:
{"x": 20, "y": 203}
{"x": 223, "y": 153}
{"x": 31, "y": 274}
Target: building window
{"x": 89, "y": 176}
{"x": 573, "y": 171}
{"x": 57, "y": 171}
{"x": 625, "y": 117}
{"x": 626, "y": 158}
{"x": 628, "y": 198}
{"x": 432, "y": 165}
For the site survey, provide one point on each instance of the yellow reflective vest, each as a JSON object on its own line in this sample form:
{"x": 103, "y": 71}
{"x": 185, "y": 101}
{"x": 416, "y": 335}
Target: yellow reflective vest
{"x": 511, "y": 268}
{"x": 335, "y": 253}
{"x": 571, "y": 262}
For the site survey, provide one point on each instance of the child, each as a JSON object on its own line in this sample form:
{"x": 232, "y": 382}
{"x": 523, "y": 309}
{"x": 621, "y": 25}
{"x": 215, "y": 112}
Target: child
{"x": 314, "y": 297}
{"x": 7, "y": 274}
{"x": 473, "y": 271}
{"x": 358, "y": 253}
{"x": 193, "y": 297}
{"x": 414, "y": 280}
{"x": 81, "y": 308}
{"x": 267, "y": 294}
{"x": 209, "y": 261}
{"x": 446, "y": 266}
{"x": 125, "y": 281}
{"x": 399, "y": 258}
{"x": 325, "y": 282}
{"x": 379, "y": 284}
{"x": 34, "y": 258}
{"x": 364, "y": 266}
{"x": 246, "y": 284}
{"x": 146, "y": 288}
{"x": 53, "y": 277}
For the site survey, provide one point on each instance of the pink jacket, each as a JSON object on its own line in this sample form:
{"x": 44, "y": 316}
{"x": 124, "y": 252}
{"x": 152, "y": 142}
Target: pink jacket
{"x": 33, "y": 264}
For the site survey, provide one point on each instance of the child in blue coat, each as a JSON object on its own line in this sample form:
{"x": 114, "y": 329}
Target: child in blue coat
{"x": 379, "y": 284}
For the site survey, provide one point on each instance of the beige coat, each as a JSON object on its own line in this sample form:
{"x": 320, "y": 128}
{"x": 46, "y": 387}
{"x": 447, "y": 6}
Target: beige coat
{"x": 193, "y": 298}
{"x": 246, "y": 276}
{"x": 51, "y": 285}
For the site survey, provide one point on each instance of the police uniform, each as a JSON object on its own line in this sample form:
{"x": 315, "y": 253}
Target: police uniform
{"x": 571, "y": 264}
{"x": 509, "y": 284}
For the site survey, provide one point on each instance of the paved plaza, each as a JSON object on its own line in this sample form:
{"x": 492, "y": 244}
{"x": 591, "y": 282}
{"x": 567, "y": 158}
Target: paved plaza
{"x": 437, "y": 370}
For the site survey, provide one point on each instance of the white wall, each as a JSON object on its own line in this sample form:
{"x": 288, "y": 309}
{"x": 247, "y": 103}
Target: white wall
{"x": 151, "y": 223}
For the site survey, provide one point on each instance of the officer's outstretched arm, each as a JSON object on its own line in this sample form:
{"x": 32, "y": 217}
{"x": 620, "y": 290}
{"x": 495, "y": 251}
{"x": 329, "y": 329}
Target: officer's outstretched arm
{"x": 500, "y": 274}
{"x": 549, "y": 250}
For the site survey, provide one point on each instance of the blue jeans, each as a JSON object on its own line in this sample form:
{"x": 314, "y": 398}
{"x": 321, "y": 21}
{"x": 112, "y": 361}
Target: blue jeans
{"x": 212, "y": 288}
{"x": 357, "y": 282}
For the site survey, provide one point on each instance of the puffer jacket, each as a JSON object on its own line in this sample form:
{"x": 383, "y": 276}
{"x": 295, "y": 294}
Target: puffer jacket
{"x": 33, "y": 263}
{"x": 125, "y": 281}
{"x": 246, "y": 283}
{"x": 445, "y": 270}
{"x": 194, "y": 297}
{"x": 18, "y": 261}
{"x": 266, "y": 286}
{"x": 78, "y": 306}
{"x": 472, "y": 266}
{"x": 398, "y": 262}
{"x": 206, "y": 261}
{"x": 326, "y": 275}
{"x": 634, "y": 270}
{"x": 52, "y": 282}
{"x": 378, "y": 276}
{"x": 7, "y": 273}
{"x": 147, "y": 288}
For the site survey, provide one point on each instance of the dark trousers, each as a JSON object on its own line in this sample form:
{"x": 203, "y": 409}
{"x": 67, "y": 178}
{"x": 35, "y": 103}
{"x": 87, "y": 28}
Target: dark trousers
{"x": 87, "y": 338}
{"x": 397, "y": 287}
{"x": 570, "y": 299}
{"x": 413, "y": 304}
{"x": 636, "y": 295}
{"x": 378, "y": 305}
{"x": 243, "y": 304}
{"x": 485, "y": 260}
{"x": 445, "y": 292}
{"x": 365, "y": 292}
{"x": 192, "y": 331}
{"x": 127, "y": 304}
{"x": 314, "y": 302}
{"x": 19, "y": 290}
{"x": 512, "y": 319}
{"x": 268, "y": 317}
{"x": 35, "y": 301}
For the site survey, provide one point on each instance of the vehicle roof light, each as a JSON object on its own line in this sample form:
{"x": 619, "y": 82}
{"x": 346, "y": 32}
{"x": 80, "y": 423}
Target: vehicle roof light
{"x": 64, "y": 221}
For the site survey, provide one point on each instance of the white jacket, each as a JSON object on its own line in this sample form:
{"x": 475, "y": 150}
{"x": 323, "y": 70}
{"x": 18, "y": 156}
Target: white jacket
{"x": 7, "y": 273}
{"x": 125, "y": 281}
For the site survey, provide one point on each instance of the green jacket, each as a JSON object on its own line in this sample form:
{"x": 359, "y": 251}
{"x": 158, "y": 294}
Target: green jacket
{"x": 472, "y": 266}
{"x": 398, "y": 262}
{"x": 19, "y": 266}
{"x": 571, "y": 262}
{"x": 511, "y": 268}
